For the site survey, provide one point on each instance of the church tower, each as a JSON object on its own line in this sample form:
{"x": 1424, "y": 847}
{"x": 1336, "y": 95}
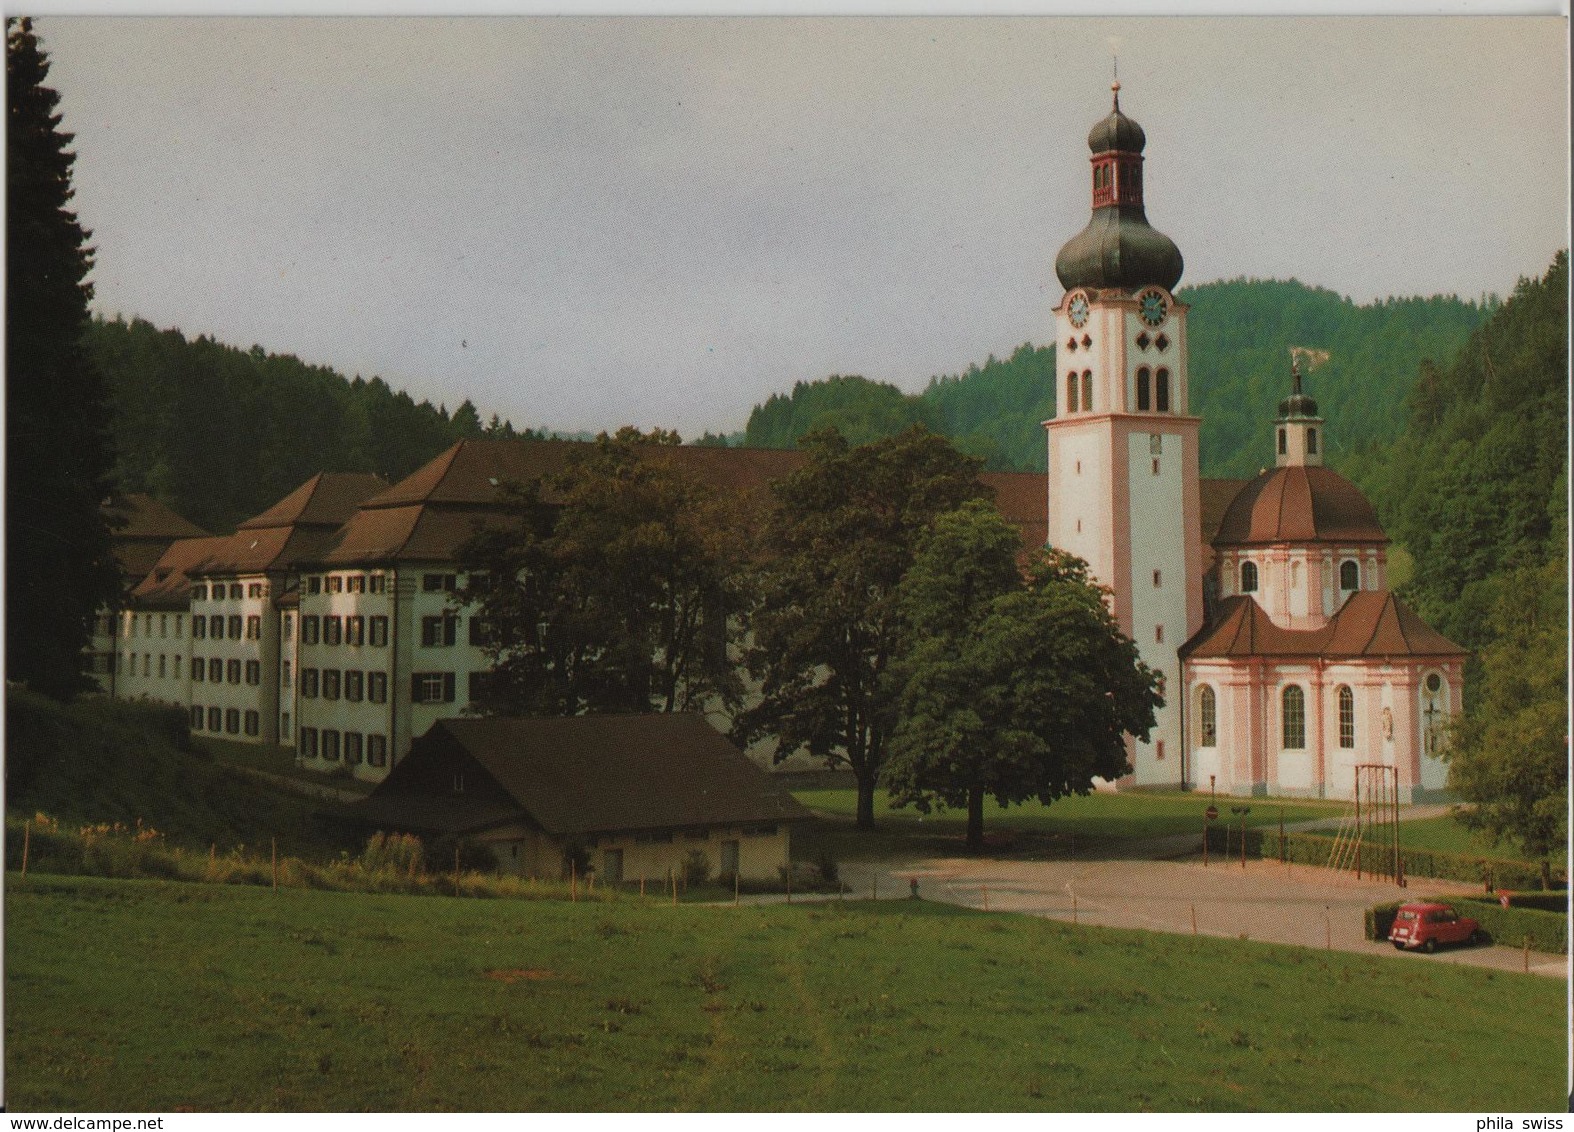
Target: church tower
{"x": 1123, "y": 465}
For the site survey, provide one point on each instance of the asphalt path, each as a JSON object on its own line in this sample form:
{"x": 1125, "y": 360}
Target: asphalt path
{"x": 1300, "y": 905}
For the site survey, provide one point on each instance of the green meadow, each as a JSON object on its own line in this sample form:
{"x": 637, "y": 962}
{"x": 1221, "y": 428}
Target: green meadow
{"x": 1077, "y": 824}
{"x": 127, "y": 994}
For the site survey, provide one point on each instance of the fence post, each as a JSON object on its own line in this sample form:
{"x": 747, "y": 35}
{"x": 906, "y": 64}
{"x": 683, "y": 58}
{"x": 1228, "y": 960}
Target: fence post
{"x": 1194, "y": 919}
{"x": 1527, "y": 955}
{"x": 1073, "y": 907}
{"x": 456, "y": 868}
{"x": 27, "y": 838}
{"x": 734, "y": 888}
{"x": 1328, "y": 929}
{"x": 874, "y": 887}
{"x": 985, "y": 891}
{"x": 275, "y": 845}
{"x": 573, "y": 878}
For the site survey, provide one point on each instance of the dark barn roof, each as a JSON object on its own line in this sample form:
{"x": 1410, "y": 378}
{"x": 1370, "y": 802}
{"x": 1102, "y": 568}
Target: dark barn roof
{"x": 579, "y": 775}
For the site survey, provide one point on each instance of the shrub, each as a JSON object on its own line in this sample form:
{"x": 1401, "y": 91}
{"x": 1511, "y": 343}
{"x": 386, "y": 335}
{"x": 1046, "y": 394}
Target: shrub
{"x": 1315, "y": 849}
{"x": 398, "y": 853}
{"x": 830, "y": 872}
{"x": 696, "y": 868}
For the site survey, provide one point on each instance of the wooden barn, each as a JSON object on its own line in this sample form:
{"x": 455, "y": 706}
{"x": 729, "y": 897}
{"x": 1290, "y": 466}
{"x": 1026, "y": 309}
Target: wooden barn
{"x": 629, "y": 796}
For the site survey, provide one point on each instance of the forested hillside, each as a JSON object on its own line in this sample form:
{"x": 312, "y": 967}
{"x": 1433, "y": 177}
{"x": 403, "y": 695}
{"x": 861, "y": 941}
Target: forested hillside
{"x": 1476, "y": 485}
{"x": 1240, "y": 335}
{"x": 219, "y": 433}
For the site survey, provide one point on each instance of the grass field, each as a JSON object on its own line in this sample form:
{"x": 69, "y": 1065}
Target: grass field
{"x": 1445, "y": 835}
{"x": 1084, "y": 823}
{"x": 128, "y": 995}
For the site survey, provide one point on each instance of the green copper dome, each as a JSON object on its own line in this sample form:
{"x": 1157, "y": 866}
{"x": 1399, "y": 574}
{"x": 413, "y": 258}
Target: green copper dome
{"x": 1119, "y": 248}
{"x": 1117, "y": 132}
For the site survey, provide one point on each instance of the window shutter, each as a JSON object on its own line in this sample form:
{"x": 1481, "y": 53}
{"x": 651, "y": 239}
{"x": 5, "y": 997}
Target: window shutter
{"x": 448, "y": 687}
{"x": 450, "y": 630}
{"x": 415, "y": 687}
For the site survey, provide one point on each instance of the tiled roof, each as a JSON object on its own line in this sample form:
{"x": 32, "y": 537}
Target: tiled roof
{"x": 1371, "y": 623}
{"x": 1298, "y": 504}
{"x": 582, "y": 775}
{"x": 325, "y": 500}
{"x": 428, "y": 515}
{"x": 167, "y": 584}
{"x": 1217, "y": 495}
{"x": 142, "y": 530}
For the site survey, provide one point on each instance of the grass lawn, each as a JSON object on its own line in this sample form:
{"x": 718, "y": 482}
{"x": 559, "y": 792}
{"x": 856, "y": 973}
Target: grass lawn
{"x": 1445, "y": 835}
{"x": 128, "y": 995}
{"x": 1086, "y": 823}
{"x": 276, "y": 760}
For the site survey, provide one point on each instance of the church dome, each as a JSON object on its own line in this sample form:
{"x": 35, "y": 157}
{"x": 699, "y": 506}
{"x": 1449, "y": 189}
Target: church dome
{"x": 1297, "y": 404}
{"x": 1299, "y": 504}
{"x": 1117, "y": 132}
{"x": 1118, "y": 249}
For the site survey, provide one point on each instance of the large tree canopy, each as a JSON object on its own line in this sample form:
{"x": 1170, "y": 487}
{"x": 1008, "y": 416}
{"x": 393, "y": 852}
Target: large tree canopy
{"x": 842, "y": 536}
{"x": 608, "y": 588}
{"x": 59, "y": 568}
{"x": 1012, "y": 686}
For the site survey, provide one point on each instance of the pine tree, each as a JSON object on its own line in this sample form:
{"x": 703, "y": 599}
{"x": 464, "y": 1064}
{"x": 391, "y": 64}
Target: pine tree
{"x": 59, "y": 568}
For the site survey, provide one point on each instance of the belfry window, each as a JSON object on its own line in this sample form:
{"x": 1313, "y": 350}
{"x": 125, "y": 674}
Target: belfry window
{"x": 1346, "y": 718}
{"x": 1349, "y": 575}
{"x": 1087, "y": 391}
{"x": 1248, "y": 577}
{"x": 1294, "y": 718}
{"x": 1071, "y": 393}
{"x": 1284, "y": 446}
{"x": 1161, "y": 391}
{"x": 1144, "y": 390}
{"x": 1208, "y": 717}
{"x": 1311, "y": 442}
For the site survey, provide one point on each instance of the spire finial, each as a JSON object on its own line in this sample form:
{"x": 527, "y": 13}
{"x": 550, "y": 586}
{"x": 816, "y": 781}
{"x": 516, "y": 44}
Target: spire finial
{"x": 1115, "y": 84}
{"x": 1295, "y": 376}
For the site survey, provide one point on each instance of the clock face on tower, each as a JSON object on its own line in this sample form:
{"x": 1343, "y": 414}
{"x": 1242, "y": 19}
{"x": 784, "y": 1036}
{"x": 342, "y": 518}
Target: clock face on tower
{"x": 1078, "y": 309}
{"x": 1154, "y": 307}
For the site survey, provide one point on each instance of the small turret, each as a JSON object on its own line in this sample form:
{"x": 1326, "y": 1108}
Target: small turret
{"x": 1300, "y": 438}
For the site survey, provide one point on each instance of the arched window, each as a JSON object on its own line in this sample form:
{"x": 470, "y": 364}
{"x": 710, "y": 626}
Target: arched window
{"x": 1144, "y": 393}
{"x": 1248, "y": 577}
{"x": 1349, "y": 575}
{"x": 1207, "y": 717}
{"x": 1346, "y": 717}
{"x": 1161, "y": 391}
{"x": 1071, "y": 393}
{"x": 1294, "y": 718}
{"x": 1283, "y": 443}
{"x": 1311, "y": 442}
{"x": 1087, "y": 391}
{"x": 1434, "y": 712}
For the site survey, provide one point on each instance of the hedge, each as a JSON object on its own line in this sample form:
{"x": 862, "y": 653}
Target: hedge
{"x": 1512, "y": 927}
{"x": 1316, "y": 849}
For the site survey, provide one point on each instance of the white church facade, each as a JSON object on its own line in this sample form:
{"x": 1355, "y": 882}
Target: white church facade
{"x": 325, "y": 624}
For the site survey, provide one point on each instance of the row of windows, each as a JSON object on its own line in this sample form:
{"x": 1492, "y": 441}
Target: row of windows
{"x": 230, "y": 721}
{"x": 214, "y": 627}
{"x": 235, "y": 591}
{"x": 106, "y": 627}
{"x": 128, "y": 664}
{"x": 329, "y": 745}
{"x": 1292, "y": 717}
{"x": 351, "y": 685}
{"x": 1311, "y": 442}
{"x": 353, "y": 630}
{"x": 347, "y": 583}
{"x": 218, "y": 671}
{"x": 1349, "y": 576}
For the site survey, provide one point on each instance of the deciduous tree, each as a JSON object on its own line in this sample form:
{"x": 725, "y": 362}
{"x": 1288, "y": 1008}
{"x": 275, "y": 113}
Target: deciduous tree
{"x": 609, "y": 587}
{"x": 1012, "y": 686}
{"x": 841, "y": 538}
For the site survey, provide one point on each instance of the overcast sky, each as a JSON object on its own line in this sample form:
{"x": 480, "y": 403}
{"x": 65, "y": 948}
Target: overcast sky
{"x": 582, "y": 223}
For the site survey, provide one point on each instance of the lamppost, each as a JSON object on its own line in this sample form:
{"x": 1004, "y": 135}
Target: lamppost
{"x": 1242, "y": 811}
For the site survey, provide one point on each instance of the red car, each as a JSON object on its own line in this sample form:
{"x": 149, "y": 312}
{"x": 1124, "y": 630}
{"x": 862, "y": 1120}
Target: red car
{"x": 1427, "y": 925}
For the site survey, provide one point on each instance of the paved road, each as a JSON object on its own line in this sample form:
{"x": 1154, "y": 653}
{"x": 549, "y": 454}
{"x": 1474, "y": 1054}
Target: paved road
{"x": 1294, "y": 904}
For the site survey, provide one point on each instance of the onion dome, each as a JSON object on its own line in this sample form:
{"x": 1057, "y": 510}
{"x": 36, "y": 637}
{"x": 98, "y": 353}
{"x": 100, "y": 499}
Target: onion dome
{"x": 1297, "y": 404}
{"x": 1299, "y": 504}
{"x": 1118, "y": 248}
{"x": 1117, "y": 132}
